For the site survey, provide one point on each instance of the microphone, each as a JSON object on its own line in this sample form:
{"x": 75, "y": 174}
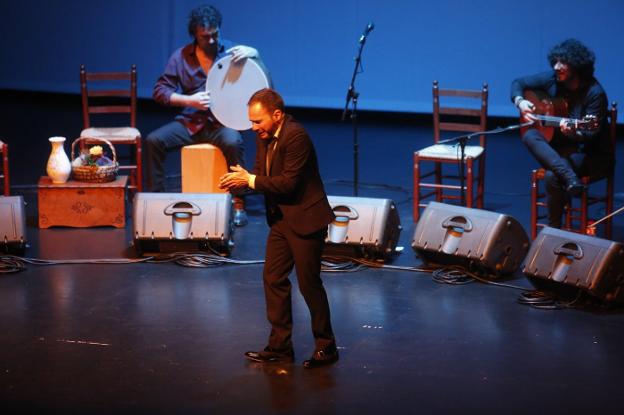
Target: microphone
{"x": 369, "y": 28}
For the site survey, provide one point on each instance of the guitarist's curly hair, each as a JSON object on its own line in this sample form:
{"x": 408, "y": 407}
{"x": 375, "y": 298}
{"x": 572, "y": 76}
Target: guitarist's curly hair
{"x": 575, "y": 54}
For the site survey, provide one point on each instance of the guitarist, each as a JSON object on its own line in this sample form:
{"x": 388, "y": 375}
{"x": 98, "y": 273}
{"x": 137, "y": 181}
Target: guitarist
{"x": 571, "y": 152}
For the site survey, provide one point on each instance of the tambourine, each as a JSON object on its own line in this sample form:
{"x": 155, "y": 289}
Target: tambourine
{"x": 230, "y": 85}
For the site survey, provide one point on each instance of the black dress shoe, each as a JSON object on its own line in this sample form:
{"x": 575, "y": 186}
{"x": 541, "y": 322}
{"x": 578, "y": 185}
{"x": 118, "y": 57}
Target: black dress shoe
{"x": 269, "y": 355}
{"x": 574, "y": 188}
{"x": 322, "y": 358}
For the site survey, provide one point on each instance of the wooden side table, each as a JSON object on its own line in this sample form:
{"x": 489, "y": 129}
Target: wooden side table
{"x": 81, "y": 204}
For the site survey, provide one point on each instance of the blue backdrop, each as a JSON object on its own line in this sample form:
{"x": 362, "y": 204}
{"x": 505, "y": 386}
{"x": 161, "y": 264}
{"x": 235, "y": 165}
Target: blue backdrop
{"x": 309, "y": 46}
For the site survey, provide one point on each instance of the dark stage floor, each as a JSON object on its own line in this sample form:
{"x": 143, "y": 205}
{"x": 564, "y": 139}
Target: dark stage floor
{"x": 163, "y": 338}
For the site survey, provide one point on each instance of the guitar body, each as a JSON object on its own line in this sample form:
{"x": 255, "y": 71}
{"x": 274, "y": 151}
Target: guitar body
{"x": 545, "y": 105}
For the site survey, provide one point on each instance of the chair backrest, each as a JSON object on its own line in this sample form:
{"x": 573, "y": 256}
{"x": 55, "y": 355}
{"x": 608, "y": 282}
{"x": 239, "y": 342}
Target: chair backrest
{"x": 107, "y": 93}
{"x": 461, "y": 119}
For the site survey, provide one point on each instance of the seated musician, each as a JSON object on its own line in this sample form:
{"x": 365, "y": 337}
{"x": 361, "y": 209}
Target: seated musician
{"x": 572, "y": 151}
{"x": 183, "y": 84}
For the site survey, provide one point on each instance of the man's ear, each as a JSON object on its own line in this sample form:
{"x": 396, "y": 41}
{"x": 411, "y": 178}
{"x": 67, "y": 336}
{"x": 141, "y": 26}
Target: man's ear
{"x": 277, "y": 115}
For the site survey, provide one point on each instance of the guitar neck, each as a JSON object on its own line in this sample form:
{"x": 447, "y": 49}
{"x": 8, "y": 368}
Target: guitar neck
{"x": 550, "y": 119}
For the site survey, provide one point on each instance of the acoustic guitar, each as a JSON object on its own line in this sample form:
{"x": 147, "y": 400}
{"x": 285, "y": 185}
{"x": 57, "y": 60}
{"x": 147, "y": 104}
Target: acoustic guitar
{"x": 550, "y": 111}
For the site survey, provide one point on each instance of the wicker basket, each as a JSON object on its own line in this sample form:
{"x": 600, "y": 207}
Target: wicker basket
{"x": 94, "y": 174}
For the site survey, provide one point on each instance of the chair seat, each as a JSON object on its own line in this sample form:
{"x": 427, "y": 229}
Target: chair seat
{"x": 114, "y": 134}
{"x": 450, "y": 152}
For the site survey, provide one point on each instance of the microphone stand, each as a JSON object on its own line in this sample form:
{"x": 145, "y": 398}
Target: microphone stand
{"x": 352, "y": 97}
{"x": 462, "y": 140}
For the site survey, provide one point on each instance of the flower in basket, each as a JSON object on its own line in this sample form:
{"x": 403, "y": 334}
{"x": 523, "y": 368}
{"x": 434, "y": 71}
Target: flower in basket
{"x": 95, "y": 157}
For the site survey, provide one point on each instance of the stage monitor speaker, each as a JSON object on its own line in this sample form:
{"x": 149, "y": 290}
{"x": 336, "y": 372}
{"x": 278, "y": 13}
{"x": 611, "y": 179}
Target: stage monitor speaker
{"x": 475, "y": 239}
{"x": 182, "y": 222}
{"x": 364, "y": 227}
{"x": 12, "y": 225}
{"x": 559, "y": 260}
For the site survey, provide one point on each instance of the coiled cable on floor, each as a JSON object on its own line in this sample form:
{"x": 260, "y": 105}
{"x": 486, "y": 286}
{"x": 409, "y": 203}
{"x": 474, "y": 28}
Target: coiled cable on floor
{"x": 546, "y": 301}
{"x": 456, "y": 275}
{"x": 336, "y": 263}
{"x": 452, "y": 276}
{"x": 201, "y": 260}
{"x": 10, "y": 264}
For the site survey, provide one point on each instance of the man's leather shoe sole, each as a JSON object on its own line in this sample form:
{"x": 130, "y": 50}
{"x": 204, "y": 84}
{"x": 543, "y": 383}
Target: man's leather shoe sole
{"x": 270, "y": 357}
{"x": 321, "y": 358}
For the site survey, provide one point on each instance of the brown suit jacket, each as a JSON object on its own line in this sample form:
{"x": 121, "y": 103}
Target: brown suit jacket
{"x": 293, "y": 189}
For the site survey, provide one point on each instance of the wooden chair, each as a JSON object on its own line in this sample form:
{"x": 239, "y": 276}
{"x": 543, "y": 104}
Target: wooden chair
{"x": 577, "y": 218}
{"x": 4, "y": 175}
{"x": 113, "y": 93}
{"x": 447, "y": 118}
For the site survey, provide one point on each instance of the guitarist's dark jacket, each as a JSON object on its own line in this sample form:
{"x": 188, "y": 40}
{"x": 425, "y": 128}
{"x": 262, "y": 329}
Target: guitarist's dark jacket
{"x": 589, "y": 99}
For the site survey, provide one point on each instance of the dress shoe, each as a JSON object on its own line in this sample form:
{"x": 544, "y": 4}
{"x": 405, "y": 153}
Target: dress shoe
{"x": 269, "y": 355}
{"x": 322, "y": 358}
{"x": 574, "y": 188}
{"x": 240, "y": 217}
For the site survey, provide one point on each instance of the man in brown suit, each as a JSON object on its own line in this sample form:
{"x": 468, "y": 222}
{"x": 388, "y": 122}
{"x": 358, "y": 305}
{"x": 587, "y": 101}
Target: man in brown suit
{"x": 297, "y": 211}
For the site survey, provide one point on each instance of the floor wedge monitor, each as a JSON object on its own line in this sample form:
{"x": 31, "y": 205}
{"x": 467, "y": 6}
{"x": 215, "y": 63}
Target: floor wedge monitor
{"x": 364, "y": 227}
{"x": 567, "y": 261}
{"x": 12, "y": 225}
{"x": 182, "y": 222}
{"x": 476, "y": 239}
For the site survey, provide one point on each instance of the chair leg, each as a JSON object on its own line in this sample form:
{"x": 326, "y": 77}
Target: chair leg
{"x": 481, "y": 183}
{"x": 583, "y": 227}
{"x": 5, "y": 169}
{"x": 534, "y": 192}
{"x": 568, "y": 215}
{"x": 416, "y": 207}
{"x": 139, "y": 165}
{"x": 438, "y": 178}
{"x": 469, "y": 182}
{"x": 608, "y": 226}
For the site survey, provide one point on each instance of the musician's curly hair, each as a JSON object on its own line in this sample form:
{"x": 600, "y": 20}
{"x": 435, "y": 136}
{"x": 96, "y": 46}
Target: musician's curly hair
{"x": 203, "y": 16}
{"x": 269, "y": 98}
{"x": 575, "y": 54}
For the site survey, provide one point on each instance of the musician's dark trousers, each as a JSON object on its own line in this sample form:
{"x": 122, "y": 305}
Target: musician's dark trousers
{"x": 284, "y": 250}
{"x": 563, "y": 162}
{"x": 173, "y": 136}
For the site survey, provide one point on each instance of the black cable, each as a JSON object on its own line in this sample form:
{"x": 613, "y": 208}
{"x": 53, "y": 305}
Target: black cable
{"x": 10, "y": 264}
{"x": 546, "y": 301}
{"x": 452, "y": 276}
{"x": 456, "y": 275}
{"x": 446, "y": 275}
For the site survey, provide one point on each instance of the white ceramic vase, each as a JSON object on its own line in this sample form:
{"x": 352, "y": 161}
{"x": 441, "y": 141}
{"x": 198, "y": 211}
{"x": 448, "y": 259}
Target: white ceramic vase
{"x": 58, "y": 167}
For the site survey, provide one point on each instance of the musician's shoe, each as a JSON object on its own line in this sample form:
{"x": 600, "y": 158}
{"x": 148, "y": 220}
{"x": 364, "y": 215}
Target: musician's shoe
{"x": 573, "y": 185}
{"x": 240, "y": 217}
{"x": 574, "y": 188}
{"x": 269, "y": 355}
{"x": 322, "y": 358}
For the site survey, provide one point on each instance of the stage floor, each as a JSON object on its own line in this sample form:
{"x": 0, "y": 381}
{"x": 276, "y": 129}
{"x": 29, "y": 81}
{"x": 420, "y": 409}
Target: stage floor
{"x": 164, "y": 338}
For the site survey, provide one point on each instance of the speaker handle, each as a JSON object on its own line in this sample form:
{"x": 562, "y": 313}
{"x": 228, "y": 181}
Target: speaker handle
{"x": 350, "y": 212}
{"x": 569, "y": 249}
{"x": 456, "y": 222}
{"x": 182, "y": 207}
